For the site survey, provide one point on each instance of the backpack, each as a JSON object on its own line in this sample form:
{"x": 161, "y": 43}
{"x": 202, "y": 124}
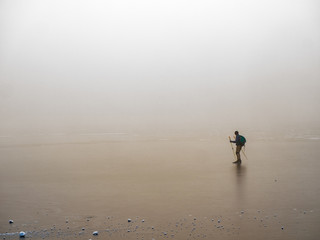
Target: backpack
{"x": 242, "y": 140}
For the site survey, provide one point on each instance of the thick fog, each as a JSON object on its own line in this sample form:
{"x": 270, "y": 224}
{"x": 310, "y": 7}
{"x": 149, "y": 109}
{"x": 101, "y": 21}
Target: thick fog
{"x": 150, "y": 66}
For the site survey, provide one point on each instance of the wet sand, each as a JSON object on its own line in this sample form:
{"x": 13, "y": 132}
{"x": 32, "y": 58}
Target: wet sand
{"x": 169, "y": 188}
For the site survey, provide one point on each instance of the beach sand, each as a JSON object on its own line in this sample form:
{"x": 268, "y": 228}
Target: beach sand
{"x": 169, "y": 188}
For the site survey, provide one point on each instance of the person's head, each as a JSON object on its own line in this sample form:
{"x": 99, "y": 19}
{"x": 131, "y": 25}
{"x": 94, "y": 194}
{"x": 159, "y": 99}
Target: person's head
{"x": 236, "y": 133}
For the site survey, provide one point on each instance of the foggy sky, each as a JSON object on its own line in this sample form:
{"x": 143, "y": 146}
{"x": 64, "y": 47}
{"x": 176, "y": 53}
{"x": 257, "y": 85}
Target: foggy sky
{"x": 121, "y": 65}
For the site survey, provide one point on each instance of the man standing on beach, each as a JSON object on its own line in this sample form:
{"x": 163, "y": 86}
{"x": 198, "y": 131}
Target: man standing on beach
{"x": 239, "y": 141}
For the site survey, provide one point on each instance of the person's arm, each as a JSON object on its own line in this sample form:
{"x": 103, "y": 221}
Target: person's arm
{"x": 231, "y": 140}
{"x": 237, "y": 140}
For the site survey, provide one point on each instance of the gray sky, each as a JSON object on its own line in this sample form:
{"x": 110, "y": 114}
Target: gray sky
{"x": 133, "y": 65}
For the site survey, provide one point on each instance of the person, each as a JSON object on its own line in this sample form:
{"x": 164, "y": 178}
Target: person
{"x": 239, "y": 143}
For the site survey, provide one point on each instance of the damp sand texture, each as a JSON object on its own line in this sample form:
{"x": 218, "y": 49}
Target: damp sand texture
{"x": 169, "y": 189}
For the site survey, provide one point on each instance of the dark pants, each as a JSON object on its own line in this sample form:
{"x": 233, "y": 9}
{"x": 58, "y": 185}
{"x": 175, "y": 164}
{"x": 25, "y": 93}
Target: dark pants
{"x": 238, "y": 150}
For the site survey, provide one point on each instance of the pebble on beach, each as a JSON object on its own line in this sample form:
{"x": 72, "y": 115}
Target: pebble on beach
{"x": 95, "y": 233}
{"x": 22, "y": 234}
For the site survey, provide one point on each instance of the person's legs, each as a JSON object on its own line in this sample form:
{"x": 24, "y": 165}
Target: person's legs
{"x": 238, "y": 152}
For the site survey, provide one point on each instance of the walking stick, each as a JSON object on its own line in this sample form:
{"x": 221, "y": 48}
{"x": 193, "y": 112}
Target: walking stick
{"x": 244, "y": 154}
{"x": 235, "y": 157}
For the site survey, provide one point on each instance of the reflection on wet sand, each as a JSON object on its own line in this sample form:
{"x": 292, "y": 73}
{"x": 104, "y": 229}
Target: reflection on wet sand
{"x": 241, "y": 187}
